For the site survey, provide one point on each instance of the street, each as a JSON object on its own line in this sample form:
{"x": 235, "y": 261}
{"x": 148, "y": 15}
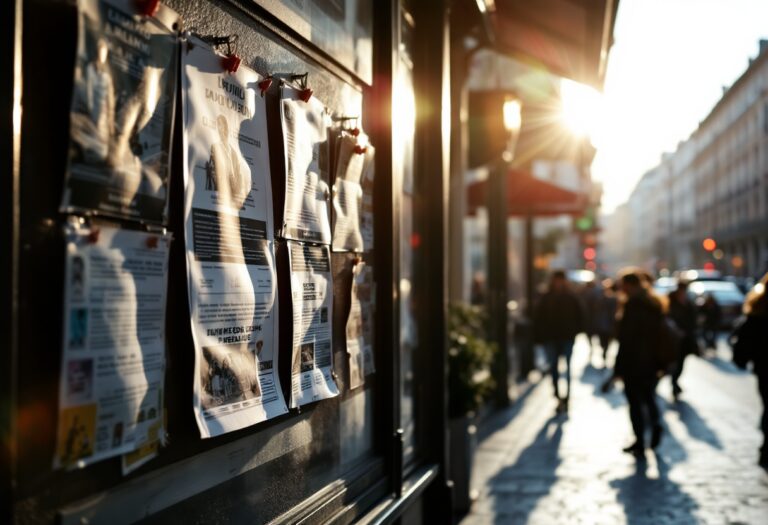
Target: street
{"x": 533, "y": 466}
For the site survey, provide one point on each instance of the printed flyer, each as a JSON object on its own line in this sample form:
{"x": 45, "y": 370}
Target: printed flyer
{"x": 359, "y": 330}
{"x": 312, "y": 299}
{"x": 121, "y": 115}
{"x": 113, "y": 359}
{"x": 229, "y": 244}
{"x": 348, "y": 196}
{"x": 366, "y": 206}
{"x": 307, "y": 192}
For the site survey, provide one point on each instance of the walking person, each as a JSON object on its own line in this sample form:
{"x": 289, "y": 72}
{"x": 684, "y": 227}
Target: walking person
{"x": 682, "y": 311}
{"x": 712, "y": 314}
{"x": 605, "y": 317}
{"x": 558, "y": 318}
{"x": 591, "y": 296}
{"x": 636, "y": 363}
{"x": 750, "y": 343}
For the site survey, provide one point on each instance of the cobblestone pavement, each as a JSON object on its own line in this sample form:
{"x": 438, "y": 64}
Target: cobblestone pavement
{"x": 535, "y": 467}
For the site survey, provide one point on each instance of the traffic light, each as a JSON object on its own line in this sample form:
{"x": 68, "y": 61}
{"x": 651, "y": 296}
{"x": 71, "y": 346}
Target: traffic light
{"x": 709, "y": 244}
{"x": 590, "y": 253}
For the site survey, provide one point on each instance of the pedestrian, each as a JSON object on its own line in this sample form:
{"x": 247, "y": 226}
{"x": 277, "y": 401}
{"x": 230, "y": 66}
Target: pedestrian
{"x": 682, "y": 311}
{"x": 641, "y": 315}
{"x": 591, "y": 300}
{"x": 605, "y": 318}
{"x": 558, "y": 318}
{"x": 712, "y": 315}
{"x": 750, "y": 344}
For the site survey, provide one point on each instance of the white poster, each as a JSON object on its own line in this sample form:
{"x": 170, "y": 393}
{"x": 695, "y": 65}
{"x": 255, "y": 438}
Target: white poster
{"x": 229, "y": 245}
{"x": 113, "y": 359}
{"x": 312, "y": 300}
{"x": 307, "y": 193}
{"x": 359, "y": 330}
{"x": 348, "y": 195}
{"x": 366, "y": 206}
{"x": 121, "y": 115}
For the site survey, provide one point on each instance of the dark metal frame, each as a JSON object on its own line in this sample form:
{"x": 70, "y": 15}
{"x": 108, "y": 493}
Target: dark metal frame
{"x": 10, "y": 94}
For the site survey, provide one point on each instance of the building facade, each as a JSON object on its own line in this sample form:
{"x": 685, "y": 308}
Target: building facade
{"x": 714, "y": 185}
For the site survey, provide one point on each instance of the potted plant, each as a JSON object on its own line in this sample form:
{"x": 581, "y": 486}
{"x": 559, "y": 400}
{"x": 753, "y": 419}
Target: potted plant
{"x": 470, "y": 385}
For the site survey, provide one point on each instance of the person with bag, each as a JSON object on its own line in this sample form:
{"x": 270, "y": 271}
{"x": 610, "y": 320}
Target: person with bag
{"x": 637, "y": 363}
{"x": 750, "y": 344}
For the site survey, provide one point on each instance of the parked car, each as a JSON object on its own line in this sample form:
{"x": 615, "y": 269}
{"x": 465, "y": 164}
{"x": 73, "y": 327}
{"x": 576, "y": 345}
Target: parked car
{"x": 727, "y": 295}
{"x": 665, "y": 285}
{"x": 744, "y": 283}
{"x": 699, "y": 275}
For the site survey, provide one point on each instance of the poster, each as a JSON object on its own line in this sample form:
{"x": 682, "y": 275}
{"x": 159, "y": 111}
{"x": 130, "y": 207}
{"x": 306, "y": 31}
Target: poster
{"x": 359, "y": 330}
{"x": 348, "y": 196}
{"x": 307, "y": 193}
{"x": 312, "y": 300}
{"x": 113, "y": 359}
{"x": 122, "y": 112}
{"x": 229, "y": 245}
{"x": 366, "y": 206}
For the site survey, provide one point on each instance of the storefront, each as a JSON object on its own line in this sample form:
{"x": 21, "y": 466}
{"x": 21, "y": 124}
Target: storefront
{"x": 188, "y": 334}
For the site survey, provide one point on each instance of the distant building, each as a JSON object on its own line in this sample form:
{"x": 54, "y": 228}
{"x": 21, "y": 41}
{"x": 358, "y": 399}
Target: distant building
{"x": 714, "y": 185}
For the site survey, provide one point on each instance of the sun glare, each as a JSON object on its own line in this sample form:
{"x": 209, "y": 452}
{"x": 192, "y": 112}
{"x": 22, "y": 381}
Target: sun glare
{"x": 581, "y": 108}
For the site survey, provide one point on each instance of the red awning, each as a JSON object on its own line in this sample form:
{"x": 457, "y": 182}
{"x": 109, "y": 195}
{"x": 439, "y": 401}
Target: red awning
{"x": 527, "y": 195}
{"x": 569, "y": 37}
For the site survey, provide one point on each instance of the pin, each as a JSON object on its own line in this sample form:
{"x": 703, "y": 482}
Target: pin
{"x": 305, "y": 94}
{"x": 152, "y": 242}
{"x": 230, "y": 63}
{"x": 148, "y": 8}
{"x": 264, "y": 85}
{"x": 360, "y": 149}
{"x": 93, "y": 236}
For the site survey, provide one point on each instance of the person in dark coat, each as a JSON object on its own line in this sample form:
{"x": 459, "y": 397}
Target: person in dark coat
{"x": 606, "y": 317}
{"x": 712, "y": 314}
{"x": 750, "y": 344}
{"x": 636, "y": 362}
{"x": 558, "y": 318}
{"x": 682, "y": 311}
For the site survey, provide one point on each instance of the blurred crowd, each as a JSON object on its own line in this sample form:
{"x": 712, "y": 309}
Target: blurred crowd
{"x": 657, "y": 325}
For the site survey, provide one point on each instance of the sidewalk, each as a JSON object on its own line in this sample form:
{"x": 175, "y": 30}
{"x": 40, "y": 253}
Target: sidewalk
{"x": 535, "y": 467}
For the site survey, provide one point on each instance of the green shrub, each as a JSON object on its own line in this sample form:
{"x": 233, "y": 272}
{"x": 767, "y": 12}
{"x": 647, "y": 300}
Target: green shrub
{"x": 469, "y": 359}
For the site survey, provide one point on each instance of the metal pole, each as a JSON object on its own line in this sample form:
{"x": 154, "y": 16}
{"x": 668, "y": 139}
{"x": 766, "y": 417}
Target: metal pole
{"x": 497, "y": 276}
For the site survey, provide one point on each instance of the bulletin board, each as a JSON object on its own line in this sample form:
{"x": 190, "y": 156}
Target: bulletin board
{"x": 260, "y": 473}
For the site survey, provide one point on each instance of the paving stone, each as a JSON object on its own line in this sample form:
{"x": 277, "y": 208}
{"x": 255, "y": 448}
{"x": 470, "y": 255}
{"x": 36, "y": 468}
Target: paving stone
{"x": 535, "y": 467}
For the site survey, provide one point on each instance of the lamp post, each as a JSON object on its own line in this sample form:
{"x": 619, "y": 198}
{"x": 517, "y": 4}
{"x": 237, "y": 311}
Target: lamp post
{"x": 497, "y": 248}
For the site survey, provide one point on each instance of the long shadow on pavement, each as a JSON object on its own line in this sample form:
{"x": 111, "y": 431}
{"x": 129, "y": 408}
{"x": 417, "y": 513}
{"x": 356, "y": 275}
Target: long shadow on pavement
{"x": 696, "y": 425}
{"x": 654, "y": 500}
{"x": 503, "y": 417}
{"x": 596, "y": 377}
{"x": 518, "y": 487}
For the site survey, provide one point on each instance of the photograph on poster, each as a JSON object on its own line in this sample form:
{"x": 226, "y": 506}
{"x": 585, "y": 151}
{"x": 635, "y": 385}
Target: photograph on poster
{"x": 312, "y": 375}
{"x": 121, "y": 113}
{"x": 229, "y": 237}
{"x": 307, "y": 189}
{"x": 113, "y": 359}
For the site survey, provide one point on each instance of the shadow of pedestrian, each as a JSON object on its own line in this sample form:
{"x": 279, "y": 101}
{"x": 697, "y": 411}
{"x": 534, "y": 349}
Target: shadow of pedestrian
{"x": 697, "y": 427}
{"x": 596, "y": 378}
{"x": 518, "y": 488}
{"x": 648, "y": 500}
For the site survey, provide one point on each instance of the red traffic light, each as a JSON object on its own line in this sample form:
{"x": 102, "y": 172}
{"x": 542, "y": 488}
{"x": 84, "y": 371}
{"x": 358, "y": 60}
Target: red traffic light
{"x": 590, "y": 254}
{"x": 709, "y": 244}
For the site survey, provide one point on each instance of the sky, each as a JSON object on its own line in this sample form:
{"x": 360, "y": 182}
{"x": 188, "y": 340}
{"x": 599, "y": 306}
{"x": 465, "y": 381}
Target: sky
{"x": 666, "y": 70}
